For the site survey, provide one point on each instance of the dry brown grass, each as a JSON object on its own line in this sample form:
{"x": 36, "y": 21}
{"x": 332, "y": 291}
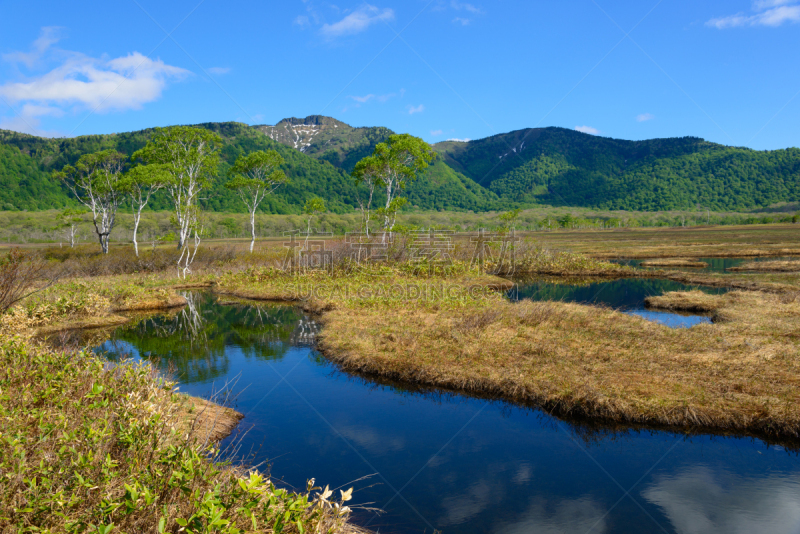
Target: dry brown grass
{"x": 675, "y": 262}
{"x": 163, "y": 301}
{"x": 742, "y": 375}
{"x": 207, "y": 420}
{"x": 694, "y": 242}
{"x": 104, "y": 321}
{"x": 769, "y": 266}
{"x": 693, "y": 301}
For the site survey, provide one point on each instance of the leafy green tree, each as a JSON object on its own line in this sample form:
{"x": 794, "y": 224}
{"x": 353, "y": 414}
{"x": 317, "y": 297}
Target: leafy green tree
{"x": 96, "y": 182}
{"x": 254, "y": 177}
{"x": 509, "y": 219}
{"x": 393, "y": 165}
{"x": 142, "y": 182}
{"x": 191, "y": 157}
{"x": 312, "y": 207}
{"x": 566, "y": 221}
{"x": 68, "y": 219}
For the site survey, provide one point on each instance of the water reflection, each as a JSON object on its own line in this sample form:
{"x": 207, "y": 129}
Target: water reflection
{"x": 558, "y": 517}
{"x": 702, "y": 501}
{"x": 671, "y": 319}
{"x": 456, "y": 463}
{"x": 194, "y": 343}
{"x": 626, "y": 294}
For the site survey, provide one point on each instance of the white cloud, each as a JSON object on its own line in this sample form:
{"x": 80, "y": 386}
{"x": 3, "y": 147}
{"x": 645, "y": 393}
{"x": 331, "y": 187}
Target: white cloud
{"x": 759, "y": 5}
{"x": 462, "y": 21}
{"x": 379, "y": 98}
{"x": 219, "y": 70}
{"x": 436, "y": 132}
{"x": 465, "y": 140}
{"x": 81, "y": 82}
{"x": 363, "y": 99}
{"x": 466, "y": 7}
{"x": 123, "y": 83}
{"x": 357, "y": 21}
{"x": 302, "y": 21}
{"x": 768, "y": 13}
{"x": 48, "y": 36}
{"x": 587, "y": 129}
{"x": 645, "y": 117}
{"x": 415, "y": 109}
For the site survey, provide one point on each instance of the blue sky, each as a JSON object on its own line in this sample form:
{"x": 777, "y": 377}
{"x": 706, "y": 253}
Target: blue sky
{"x": 440, "y": 69}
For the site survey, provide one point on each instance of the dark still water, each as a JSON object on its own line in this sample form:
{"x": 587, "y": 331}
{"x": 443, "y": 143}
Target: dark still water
{"x": 715, "y": 265}
{"x": 454, "y": 463}
{"x": 625, "y": 294}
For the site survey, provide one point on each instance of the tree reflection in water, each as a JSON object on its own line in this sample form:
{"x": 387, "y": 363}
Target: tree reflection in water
{"x": 194, "y": 343}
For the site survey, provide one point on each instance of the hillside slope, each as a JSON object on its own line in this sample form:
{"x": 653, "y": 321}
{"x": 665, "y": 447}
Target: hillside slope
{"x": 552, "y": 166}
{"x": 341, "y": 145}
{"x": 26, "y": 163}
{"x": 563, "y": 167}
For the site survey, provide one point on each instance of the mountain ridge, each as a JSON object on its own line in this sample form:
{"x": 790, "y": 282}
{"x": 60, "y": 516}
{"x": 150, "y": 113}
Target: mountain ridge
{"x": 531, "y": 166}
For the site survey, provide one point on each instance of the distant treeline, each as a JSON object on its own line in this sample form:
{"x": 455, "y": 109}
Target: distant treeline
{"x": 156, "y": 228}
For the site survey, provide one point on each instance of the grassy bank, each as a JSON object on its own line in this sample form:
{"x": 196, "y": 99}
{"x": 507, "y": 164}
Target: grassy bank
{"x": 91, "y": 447}
{"x": 88, "y": 303}
{"x": 741, "y": 375}
{"x": 769, "y": 267}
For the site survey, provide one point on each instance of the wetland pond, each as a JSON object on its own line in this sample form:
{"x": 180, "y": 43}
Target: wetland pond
{"x": 625, "y": 294}
{"x": 451, "y": 462}
{"x": 715, "y": 265}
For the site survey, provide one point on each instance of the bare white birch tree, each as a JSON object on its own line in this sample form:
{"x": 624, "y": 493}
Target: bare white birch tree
{"x": 190, "y": 156}
{"x": 96, "y": 182}
{"x": 141, "y": 183}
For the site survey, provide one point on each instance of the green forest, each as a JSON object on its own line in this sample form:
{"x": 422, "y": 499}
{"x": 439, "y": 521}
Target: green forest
{"x": 560, "y": 167}
{"x": 525, "y": 168}
{"x": 26, "y": 163}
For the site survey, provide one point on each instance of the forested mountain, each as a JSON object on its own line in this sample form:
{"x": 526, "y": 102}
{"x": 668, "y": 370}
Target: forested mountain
{"x": 341, "y": 145}
{"x": 552, "y": 166}
{"x": 26, "y": 163}
{"x": 557, "y": 166}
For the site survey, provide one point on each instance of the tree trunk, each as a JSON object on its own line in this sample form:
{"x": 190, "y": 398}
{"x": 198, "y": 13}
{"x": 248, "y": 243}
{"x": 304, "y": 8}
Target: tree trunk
{"x": 136, "y": 219}
{"x": 104, "y": 243}
{"x": 252, "y": 229}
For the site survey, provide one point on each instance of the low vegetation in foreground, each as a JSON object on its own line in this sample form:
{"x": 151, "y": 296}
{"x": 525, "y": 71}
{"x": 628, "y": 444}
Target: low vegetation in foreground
{"x": 92, "y": 447}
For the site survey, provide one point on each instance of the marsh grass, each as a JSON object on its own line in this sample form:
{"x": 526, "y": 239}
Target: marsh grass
{"x": 89, "y": 446}
{"x": 675, "y": 262}
{"x": 81, "y": 303}
{"x": 769, "y": 266}
{"x": 741, "y": 375}
{"x": 694, "y": 242}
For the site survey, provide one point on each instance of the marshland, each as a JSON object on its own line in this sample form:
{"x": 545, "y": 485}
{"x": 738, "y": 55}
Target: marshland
{"x": 362, "y": 374}
{"x": 470, "y": 291}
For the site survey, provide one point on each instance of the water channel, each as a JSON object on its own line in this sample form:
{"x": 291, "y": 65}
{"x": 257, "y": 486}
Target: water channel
{"x": 625, "y": 294}
{"x": 715, "y": 265}
{"x": 450, "y": 462}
